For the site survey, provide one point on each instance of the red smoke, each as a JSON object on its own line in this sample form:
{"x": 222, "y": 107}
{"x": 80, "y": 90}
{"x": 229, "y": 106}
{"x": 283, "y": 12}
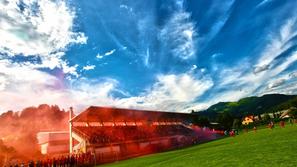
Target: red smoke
{"x": 18, "y": 130}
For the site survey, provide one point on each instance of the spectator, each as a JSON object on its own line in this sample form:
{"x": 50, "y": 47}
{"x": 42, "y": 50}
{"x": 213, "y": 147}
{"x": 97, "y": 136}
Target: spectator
{"x": 271, "y": 125}
{"x": 231, "y": 133}
{"x": 282, "y": 124}
{"x": 226, "y": 133}
{"x": 291, "y": 121}
{"x": 31, "y": 164}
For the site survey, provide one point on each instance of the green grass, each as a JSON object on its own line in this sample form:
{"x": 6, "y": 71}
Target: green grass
{"x": 277, "y": 147}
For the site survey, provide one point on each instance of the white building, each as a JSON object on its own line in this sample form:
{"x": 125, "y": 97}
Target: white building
{"x": 53, "y": 143}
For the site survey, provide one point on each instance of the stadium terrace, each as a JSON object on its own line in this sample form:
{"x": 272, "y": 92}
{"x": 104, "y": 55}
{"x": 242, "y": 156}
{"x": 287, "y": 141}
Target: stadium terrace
{"x": 112, "y": 134}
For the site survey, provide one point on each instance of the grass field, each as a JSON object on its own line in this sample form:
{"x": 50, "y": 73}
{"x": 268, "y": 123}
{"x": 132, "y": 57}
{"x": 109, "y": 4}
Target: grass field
{"x": 277, "y": 147}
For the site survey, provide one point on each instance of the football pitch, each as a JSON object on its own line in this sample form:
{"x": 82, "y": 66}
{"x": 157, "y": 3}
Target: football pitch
{"x": 265, "y": 147}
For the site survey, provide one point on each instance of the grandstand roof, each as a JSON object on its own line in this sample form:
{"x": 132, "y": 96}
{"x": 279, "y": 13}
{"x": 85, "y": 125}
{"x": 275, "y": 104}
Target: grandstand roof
{"x": 96, "y": 113}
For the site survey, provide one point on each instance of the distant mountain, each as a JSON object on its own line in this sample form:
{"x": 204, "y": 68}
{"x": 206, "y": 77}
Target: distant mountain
{"x": 250, "y": 105}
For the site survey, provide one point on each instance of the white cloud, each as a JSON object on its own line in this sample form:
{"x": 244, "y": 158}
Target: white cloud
{"x": 40, "y": 28}
{"x": 28, "y": 87}
{"x": 24, "y": 86}
{"x": 261, "y": 68}
{"x": 236, "y": 83}
{"x": 175, "y": 92}
{"x": 276, "y": 83}
{"x": 126, "y": 7}
{"x": 242, "y": 80}
{"x": 170, "y": 93}
{"x": 193, "y": 68}
{"x": 264, "y": 2}
{"x": 3, "y": 81}
{"x": 178, "y": 34}
{"x": 282, "y": 82}
{"x": 69, "y": 69}
{"x": 279, "y": 43}
{"x": 88, "y": 92}
{"x": 181, "y": 88}
{"x": 89, "y": 67}
{"x": 293, "y": 74}
{"x": 147, "y": 57}
{"x": 37, "y": 33}
{"x": 223, "y": 10}
{"x": 99, "y": 56}
{"x": 110, "y": 52}
{"x": 266, "y": 70}
{"x": 287, "y": 88}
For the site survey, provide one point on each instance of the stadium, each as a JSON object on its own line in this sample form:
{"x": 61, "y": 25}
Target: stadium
{"x": 114, "y": 134}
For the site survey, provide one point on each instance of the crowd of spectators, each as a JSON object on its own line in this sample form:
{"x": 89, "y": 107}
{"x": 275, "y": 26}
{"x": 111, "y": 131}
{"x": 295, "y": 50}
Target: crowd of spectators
{"x": 76, "y": 160}
{"x": 116, "y": 134}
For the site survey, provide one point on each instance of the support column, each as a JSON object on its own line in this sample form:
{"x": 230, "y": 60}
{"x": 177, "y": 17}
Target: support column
{"x": 70, "y": 131}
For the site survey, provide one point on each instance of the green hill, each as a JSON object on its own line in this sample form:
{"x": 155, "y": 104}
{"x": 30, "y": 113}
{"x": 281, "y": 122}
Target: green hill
{"x": 249, "y": 105}
{"x": 265, "y": 147}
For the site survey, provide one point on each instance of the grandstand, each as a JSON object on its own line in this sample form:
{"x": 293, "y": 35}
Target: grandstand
{"x": 113, "y": 134}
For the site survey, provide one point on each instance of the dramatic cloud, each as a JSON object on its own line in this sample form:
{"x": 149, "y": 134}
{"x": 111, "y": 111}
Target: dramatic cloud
{"x": 283, "y": 83}
{"x": 179, "y": 34}
{"x": 32, "y": 87}
{"x": 41, "y": 28}
{"x": 26, "y": 86}
{"x": 173, "y": 55}
{"x": 36, "y": 27}
{"x": 170, "y": 93}
{"x": 266, "y": 77}
{"x": 279, "y": 44}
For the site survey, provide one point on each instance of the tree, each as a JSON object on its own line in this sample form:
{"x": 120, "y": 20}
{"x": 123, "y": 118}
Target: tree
{"x": 259, "y": 117}
{"x": 293, "y": 113}
{"x": 236, "y": 124}
{"x": 201, "y": 120}
{"x": 266, "y": 117}
{"x": 225, "y": 119}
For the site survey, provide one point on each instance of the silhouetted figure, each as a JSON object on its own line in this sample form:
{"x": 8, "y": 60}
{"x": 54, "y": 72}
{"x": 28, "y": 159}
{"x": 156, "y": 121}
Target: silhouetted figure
{"x": 31, "y": 164}
{"x": 72, "y": 161}
{"x": 54, "y": 163}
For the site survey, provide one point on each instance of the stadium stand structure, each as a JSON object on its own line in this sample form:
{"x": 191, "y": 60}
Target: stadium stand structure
{"x": 112, "y": 134}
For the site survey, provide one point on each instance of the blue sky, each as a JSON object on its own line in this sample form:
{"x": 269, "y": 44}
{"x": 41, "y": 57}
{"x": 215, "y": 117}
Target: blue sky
{"x": 171, "y": 55}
